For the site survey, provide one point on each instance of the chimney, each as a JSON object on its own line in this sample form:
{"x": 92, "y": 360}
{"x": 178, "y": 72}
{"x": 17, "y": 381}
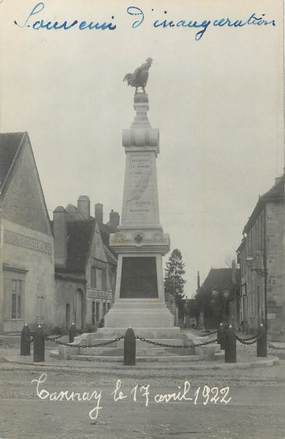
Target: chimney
{"x": 114, "y": 219}
{"x": 83, "y": 205}
{"x": 198, "y": 280}
{"x": 99, "y": 212}
{"x": 59, "y": 231}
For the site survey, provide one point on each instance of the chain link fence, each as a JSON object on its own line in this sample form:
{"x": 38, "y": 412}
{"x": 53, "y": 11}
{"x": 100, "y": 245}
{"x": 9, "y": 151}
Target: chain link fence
{"x": 249, "y": 340}
{"x": 78, "y": 345}
{"x": 156, "y": 343}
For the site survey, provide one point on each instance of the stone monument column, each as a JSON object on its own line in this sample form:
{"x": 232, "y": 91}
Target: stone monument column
{"x": 140, "y": 242}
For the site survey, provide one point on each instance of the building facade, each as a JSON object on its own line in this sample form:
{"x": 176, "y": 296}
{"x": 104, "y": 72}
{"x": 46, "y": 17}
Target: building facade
{"x": 27, "y": 290}
{"x": 55, "y": 272}
{"x": 261, "y": 256}
{"x": 217, "y": 297}
{"x": 85, "y": 268}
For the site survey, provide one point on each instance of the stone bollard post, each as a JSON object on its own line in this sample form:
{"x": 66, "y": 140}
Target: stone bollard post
{"x": 261, "y": 343}
{"x": 25, "y": 340}
{"x": 230, "y": 345}
{"x": 72, "y": 332}
{"x": 221, "y": 335}
{"x": 130, "y": 348}
{"x": 39, "y": 344}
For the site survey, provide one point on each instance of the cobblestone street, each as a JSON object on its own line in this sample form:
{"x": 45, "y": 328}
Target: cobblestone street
{"x": 255, "y": 411}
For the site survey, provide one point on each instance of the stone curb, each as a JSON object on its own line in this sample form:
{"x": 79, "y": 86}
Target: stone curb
{"x": 261, "y": 362}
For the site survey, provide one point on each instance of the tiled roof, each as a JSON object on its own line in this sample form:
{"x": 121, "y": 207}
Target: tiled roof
{"x": 105, "y": 230}
{"x": 79, "y": 237}
{"x": 218, "y": 279}
{"x": 277, "y": 190}
{"x": 9, "y": 145}
{"x": 276, "y": 193}
{"x": 110, "y": 257}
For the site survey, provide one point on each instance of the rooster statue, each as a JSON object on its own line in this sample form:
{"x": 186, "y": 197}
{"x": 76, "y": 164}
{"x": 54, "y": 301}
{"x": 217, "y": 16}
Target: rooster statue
{"x": 140, "y": 76}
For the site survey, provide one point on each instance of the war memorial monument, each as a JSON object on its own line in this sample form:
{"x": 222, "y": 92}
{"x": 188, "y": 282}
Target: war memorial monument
{"x": 140, "y": 242}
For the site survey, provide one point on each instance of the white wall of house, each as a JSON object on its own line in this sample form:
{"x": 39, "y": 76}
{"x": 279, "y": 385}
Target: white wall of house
{"x": 27, "y": 289}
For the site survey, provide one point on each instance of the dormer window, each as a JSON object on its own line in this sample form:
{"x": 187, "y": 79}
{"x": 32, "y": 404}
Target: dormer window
{"x": 98, "y": 278}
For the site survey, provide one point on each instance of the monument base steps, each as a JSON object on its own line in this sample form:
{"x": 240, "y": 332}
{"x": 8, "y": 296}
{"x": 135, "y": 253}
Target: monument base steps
{"x": 143, "y": 349}
{"x": 139, "y": 313}
{"x": 163, "y": 335}
{"x": 165, "y": 359}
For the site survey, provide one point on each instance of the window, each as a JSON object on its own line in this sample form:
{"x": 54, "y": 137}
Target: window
{"x": 99, "y": 278}
{"x": 104, "y": 280}
{"x": 14, "y": 292}
{"x": 93, "y": 313}
{"x": 16, "y": 298}
{"x": 113, "y": 279}
{"x": 104, "y": 308}
{"x": 93, "y": 277}
{"x": 97, "y": 311}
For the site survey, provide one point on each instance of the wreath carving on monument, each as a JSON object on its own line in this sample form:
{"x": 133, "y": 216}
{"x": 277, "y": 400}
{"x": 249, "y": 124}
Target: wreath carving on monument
{"x": 138, "y": 238}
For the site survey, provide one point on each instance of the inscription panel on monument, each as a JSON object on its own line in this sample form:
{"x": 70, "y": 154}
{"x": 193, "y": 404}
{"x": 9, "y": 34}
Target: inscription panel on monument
{"x": 139, "y": 278}
{"x": 141, "y": 204}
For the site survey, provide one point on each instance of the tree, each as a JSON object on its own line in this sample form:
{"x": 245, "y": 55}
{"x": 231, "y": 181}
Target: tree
{"x": 173, "y": 281}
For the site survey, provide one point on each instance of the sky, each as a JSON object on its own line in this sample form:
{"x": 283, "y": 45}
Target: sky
{"x": 218, "y": 103}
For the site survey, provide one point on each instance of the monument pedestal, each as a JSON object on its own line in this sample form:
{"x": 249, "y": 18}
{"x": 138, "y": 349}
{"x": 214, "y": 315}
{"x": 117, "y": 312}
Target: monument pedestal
{"x": 140, "y": 242}
{"x": 149, "y": 318}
